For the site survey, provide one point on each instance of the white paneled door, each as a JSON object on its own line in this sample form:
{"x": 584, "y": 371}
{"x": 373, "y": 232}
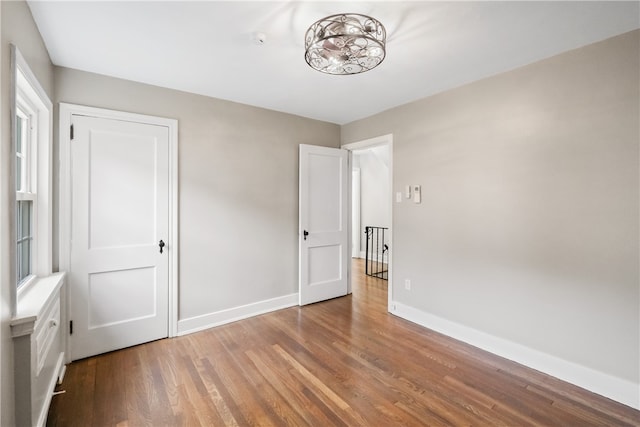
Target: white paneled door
{"x": 119, "y": 234}
{"x": 323, "y": 223}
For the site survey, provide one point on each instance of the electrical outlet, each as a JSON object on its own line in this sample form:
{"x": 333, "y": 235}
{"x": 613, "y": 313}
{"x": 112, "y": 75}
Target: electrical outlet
{"x": 407, "y": 284}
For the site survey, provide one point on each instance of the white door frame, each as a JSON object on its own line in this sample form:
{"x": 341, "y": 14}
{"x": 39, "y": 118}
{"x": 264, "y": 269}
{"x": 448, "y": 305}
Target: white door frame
{"x": 368, "y": 143}
{"x": 355, "y": 210}
{"x": 66, "y": 111}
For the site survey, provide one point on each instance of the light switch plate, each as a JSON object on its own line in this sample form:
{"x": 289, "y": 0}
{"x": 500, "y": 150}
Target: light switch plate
{"x": 417, "y": 196}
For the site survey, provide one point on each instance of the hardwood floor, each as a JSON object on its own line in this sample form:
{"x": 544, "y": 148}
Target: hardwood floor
{"x": 343, "y": 362}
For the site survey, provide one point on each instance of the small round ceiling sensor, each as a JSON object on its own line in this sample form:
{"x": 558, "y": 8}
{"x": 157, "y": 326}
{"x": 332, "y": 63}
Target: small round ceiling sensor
{"x": 259, "y": 38}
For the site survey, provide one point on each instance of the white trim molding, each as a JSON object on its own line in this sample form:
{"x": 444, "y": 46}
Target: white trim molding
{"x": 27, "y": 93}
{"x": 222, "y": 317}
{"x": 368, "y": 143}
{"x": 66, "y": 113}
{"x": 618, "y": 389}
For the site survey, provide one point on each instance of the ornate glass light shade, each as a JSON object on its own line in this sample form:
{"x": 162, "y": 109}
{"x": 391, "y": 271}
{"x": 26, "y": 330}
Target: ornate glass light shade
{"x": 347, "y": 43}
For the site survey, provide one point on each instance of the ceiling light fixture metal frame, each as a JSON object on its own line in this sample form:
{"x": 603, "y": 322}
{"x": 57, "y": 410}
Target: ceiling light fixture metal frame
{"x": 346, "y": 43}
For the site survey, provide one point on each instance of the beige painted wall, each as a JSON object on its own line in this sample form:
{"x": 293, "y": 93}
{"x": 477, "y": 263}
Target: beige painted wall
{"x": 528, "y": 229}
{"x": 17, "y": 27}
{"x": 238, "y": 187}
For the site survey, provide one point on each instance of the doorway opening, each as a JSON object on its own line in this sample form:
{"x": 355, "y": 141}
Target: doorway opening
{"x": 371, "y": 163}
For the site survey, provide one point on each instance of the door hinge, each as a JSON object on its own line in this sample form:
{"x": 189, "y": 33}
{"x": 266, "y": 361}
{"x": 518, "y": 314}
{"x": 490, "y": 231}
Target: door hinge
{"x": 71, "y": 132}
{"x": 70, "y": 327}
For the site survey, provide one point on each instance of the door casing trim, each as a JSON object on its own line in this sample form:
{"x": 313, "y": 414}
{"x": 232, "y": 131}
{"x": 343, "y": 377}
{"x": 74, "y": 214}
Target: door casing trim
{"x": 64, "y": 221}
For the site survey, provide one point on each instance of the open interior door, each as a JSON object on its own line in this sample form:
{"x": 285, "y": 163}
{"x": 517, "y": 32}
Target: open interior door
{"x": 323, "y": 223}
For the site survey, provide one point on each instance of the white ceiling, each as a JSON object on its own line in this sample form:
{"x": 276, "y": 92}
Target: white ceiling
{"x": 206, "y": 47}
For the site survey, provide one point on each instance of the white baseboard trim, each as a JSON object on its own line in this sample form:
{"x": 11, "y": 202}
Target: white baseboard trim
{"x": 383, "y": 259}
{"x": 620, "y": 390}
{"x": 209, "y": 320}
{"x": 63, "y": 370}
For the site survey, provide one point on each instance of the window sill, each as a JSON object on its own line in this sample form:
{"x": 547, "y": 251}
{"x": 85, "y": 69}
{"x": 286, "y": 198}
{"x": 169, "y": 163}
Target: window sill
{"x": 33, "y": 301}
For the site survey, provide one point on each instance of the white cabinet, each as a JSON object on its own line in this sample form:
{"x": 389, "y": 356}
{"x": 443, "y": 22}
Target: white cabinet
{"x": 38, "y": 348}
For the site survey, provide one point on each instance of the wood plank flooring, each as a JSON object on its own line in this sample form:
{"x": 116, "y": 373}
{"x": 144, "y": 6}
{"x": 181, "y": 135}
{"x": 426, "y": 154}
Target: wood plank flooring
{"x": 343, "y": 362}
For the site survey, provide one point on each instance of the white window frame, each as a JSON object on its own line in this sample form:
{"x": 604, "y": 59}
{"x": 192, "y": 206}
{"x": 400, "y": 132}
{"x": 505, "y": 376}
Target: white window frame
{"x": 27, "y": 113}
{"x": 28, "y": 95}
{"x": 28, "y": 190}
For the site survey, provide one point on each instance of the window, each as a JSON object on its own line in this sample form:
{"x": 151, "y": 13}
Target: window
{"x": 26, "y": 201}
{"x": 31, "y": 133}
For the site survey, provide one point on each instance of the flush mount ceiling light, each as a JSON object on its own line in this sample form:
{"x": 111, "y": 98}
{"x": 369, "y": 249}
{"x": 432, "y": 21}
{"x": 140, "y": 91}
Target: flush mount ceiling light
{"x": 347, "y": 43}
